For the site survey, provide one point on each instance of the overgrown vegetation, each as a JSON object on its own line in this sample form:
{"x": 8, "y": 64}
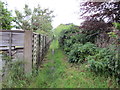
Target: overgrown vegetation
{"x": 14, "y": 75}
{"x": 60, "y": 28}
{"x": 71, "y": 36}
{"x": 97, "y": 67}
{"x": 79, "y": 52}
{"x": 56, "y": 72}
{"x": 102, "y": 61}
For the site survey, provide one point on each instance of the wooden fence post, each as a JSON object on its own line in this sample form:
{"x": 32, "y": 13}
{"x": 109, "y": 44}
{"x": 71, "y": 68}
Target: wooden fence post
{"x": 10, "y": 44}
{"x": 28, "y": 51}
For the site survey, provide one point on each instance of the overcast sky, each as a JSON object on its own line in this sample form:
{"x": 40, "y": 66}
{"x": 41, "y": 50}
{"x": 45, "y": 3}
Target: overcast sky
{"x": 65, "y": 11}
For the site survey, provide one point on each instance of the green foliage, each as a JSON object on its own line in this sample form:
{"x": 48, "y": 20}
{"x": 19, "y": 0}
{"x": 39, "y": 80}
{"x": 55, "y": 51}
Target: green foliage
{"x": 54, "y": 44}
{"x": 58, "y": 73}
{"x": 70, "y": 36}
{"x": 79, "y": 52}
{"x": 5, "y": 17}
{"x": 36, "y": 19}
{"x": 112, "y": 34}
{"x": 117, "y": 25}
{"x": 60, "y": 28}
{"x": 105, "y": 62}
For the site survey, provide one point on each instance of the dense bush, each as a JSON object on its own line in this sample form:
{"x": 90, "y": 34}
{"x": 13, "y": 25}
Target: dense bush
{"x": 80, "y": 49}
{"x": 79, "y": 52}
{"x": 105, "y": 62}
{"x": 70, "y": 36}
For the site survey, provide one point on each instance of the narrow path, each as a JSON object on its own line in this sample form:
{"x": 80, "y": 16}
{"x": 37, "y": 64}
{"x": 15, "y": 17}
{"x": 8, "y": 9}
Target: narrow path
{"x": 56, "y": 72}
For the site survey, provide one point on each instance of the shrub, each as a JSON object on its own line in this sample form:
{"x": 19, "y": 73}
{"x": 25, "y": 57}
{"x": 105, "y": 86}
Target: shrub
{"x": 105, "y": 61}
{"x": 79, "y": 52}
{"x": 71, "y": 36}
{"x": 66, "y": 34}
{"x": 80, "y": 38}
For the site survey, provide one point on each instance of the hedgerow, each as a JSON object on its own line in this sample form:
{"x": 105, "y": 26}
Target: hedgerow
{"x": 70, "y": 36}
{"x": 79, "y": 50}
{"x": 105, "y": 62}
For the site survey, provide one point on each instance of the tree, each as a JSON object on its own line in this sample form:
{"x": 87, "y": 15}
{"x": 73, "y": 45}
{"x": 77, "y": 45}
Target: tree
{"x": 99, "y": 17}
{"x": 60, "y": 28}
{"x": 36, "y": 19}
{"x": 5, "y": 17}
{"x": 102, "y": 11}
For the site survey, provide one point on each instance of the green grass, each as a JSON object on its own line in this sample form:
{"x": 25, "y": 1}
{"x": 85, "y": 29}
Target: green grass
{"x": 58, "y": 73}
{"x": 54, "y": 44}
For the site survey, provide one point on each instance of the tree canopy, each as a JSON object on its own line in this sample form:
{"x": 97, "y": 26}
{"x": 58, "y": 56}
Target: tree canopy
{"x": 60, "y": 28}
{"x": 34, "y": 19}
{"x": 102, "y": 11}
{"x": 99, "y": 16}
{"x": 5, "y": 17}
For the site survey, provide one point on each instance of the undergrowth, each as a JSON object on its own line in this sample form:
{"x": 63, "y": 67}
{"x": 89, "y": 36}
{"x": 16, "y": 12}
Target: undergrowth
{"x": 14, "y": 75}
{"x": 58, "y": 73}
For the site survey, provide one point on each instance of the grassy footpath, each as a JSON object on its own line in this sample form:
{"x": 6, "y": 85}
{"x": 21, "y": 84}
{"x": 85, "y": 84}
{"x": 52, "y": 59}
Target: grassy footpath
{"x": 56, "y": 72}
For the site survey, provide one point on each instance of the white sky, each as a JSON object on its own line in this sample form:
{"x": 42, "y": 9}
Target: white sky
{"x": 65, "y": 11}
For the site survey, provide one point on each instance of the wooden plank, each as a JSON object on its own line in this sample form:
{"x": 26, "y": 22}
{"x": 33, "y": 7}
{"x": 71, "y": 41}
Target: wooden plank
{"x": 38, "y": 63}
{"x": 17, "y": 39}
{"x": 4, "y": 38}
{"x": 7, "y": 48}
{"x": 17, "y": 31}
{"x": 4, "y": 33}
{"x": 40, "y": 45}
{"x": 28, "y": 51}
{"x": 10, "y": 44}
{"x": 41, "y": 50}
{"x": 4, "y": 43}
{"x": 18, "y": 36}
{"x": 15, "y": 43}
